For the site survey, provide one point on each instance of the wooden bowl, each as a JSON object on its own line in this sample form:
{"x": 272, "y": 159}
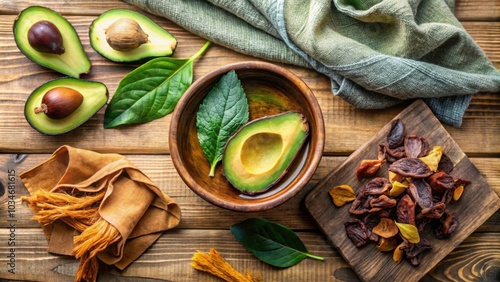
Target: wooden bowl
{"x": 270, "y": 90}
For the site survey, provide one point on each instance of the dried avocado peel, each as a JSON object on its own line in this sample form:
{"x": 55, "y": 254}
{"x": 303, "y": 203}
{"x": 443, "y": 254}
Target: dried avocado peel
{"x": 73, "y": 60}
{"x": 95, "y": 96}
{"x": 122, "y": 36}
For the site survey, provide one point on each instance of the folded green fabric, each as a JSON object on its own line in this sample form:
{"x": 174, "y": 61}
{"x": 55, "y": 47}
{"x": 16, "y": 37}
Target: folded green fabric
{"x": 377, "y": 53}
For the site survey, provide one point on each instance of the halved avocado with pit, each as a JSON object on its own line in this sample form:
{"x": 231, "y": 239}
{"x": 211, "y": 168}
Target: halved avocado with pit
{"x": 95, "y": 96}
{"x": 159, "y": 43}
{"x": 260, "y": 153}
{"x": 73, "y": 62}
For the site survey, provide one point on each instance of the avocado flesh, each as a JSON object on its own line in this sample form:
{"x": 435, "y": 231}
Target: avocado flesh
{"x": 95, "y": 96}
{"x": 161, "y": 42}
{"x": 73, "y": 62}
{"x": 260, "y": 153}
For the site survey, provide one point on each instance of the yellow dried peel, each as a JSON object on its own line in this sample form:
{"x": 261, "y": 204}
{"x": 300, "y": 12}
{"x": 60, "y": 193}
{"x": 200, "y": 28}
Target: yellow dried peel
{"x": 432, "y": 159}
{"x": 342, "y": 195}
{"x": 409, "y": 232}
{"x": 398, "y": 188}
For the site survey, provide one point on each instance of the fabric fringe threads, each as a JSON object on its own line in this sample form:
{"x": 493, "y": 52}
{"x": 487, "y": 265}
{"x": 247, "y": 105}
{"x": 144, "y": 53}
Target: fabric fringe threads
{"x": 215, "y": 264}
{"x": 81, "y": 213}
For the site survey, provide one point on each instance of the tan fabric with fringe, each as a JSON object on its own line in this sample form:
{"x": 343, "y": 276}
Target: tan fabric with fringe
{"x": 94, "y": 205}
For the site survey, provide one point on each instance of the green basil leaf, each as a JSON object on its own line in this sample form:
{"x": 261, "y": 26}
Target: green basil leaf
{"x": 151, "y": 91}
{"x": 222, "y": 112}
{"x": 271, "y": 242}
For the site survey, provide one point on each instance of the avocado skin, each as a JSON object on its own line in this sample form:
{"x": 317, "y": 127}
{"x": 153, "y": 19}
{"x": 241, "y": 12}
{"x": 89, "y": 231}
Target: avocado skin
{"x": 161, "y": 42}
{"x": 95, "y": 96}
{"x": 291, "y": 127}
{"x": 73, "y": 62}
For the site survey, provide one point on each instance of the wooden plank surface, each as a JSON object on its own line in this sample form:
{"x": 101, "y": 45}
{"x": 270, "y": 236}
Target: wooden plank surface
{"x": 168, "y": 260}
{"x": 204, "y": 226}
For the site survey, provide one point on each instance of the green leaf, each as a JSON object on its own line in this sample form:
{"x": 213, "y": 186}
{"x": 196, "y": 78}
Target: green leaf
{"x": 223, "y": 111}
{"x": 151, "y": 91}
{"x": 271, "y": 242}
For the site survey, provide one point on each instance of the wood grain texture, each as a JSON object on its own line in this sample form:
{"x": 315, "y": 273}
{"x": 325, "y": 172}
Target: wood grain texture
{"x": 203, "y": 225}
{"x": 169, "y": 260}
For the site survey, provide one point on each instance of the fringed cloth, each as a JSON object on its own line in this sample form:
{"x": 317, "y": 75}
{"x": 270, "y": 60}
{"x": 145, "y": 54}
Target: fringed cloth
{"x": 97, "y": 207}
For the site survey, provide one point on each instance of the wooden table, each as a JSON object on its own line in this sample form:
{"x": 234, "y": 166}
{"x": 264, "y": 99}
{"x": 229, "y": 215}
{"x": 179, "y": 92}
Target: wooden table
{"x": 203, "y": 225}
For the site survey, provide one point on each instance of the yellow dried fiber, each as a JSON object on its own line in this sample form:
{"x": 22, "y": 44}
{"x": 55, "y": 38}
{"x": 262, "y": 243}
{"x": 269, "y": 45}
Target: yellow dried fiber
{"x": 215, "y": 264}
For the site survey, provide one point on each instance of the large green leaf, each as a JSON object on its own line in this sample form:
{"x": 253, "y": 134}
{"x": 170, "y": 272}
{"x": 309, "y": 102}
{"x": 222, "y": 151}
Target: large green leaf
{"x": 151, "y": 91}
{"x": 223, "y": 111}
{"x": 271, "y": 242}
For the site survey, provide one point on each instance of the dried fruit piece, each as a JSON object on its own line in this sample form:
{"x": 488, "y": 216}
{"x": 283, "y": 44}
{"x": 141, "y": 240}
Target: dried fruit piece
{"x": 416, "y": 146}
{"x": 445, "y": 164}
{"x": 376, "y": 186}
{"x": 405, "y": 211}
{"x": 398, "y": 254}
{"x": 390, "y": 155}
{"x": 421, "y": 192}
{"x": 386, "y": 228}
{"x": 381, "y": 202}
{"x": 410, "y": 167}
{"x": 460, "y": 185}
{"x": 435, "y": 211}
{"x": 432, "y": 159}
{"x": 342, "y": 195}
{"x": 457, "y": 193}
{"x": 368, "y": 168}
{"x": 396, "y": 135}
{"x": 440, "y": 182}
{"x": 356, "y": 232}
{"x": 414, "y": 252}
{"x": 409, "y": 232}
{"x": 447, "y": 225}
{"x": 387, "y": 244}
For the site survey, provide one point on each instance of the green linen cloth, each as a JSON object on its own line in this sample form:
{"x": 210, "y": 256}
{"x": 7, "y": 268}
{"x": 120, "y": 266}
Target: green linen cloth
{"x": 377, "y": 53}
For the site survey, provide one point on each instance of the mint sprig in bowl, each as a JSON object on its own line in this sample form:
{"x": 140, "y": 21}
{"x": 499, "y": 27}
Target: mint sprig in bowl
{"x": 271, "y": 91}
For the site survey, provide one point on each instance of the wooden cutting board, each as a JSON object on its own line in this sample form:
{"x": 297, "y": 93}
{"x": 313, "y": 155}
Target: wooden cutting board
{"x": 476, "y": 205}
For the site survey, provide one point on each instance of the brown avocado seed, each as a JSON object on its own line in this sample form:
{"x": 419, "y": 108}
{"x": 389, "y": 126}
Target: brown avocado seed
{"x": 45, "y": 37}
{"x": 125, "y": 34}
{"x": 60, "y": 102}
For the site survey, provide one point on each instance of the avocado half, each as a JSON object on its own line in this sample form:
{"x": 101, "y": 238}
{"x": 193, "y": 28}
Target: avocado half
{"x": 73, "y": 62}
{"x": 260, "y": 153}
{"x": 95, "y": 96}
{"x": 160, "y": 42}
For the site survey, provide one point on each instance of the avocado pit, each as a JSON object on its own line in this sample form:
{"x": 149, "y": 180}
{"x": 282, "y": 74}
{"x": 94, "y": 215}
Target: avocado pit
{"x": 125, "y": 34}
{"x": 59, "y": 102}
{"x": 45, "y": 37}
